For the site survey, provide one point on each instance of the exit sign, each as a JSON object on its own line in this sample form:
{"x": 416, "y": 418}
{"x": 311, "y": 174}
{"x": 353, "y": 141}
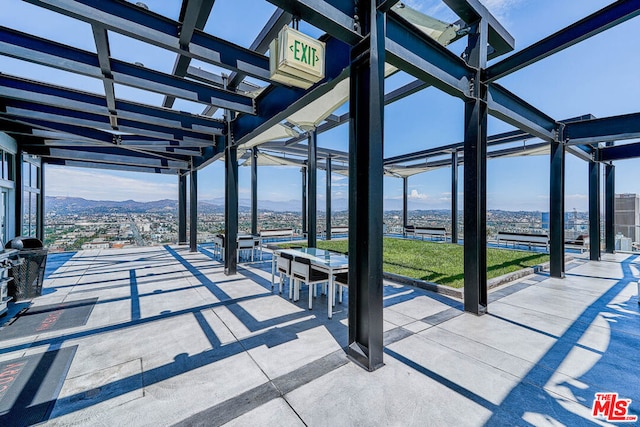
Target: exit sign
{"x": 296, "y": 59}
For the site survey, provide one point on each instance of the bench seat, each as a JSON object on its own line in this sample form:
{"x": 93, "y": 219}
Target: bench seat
{"x": 524, "y": 238}
{"x": 426, "y": 231}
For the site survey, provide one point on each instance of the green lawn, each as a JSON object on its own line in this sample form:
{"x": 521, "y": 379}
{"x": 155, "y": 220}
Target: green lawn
{"x": 441, "y": 263}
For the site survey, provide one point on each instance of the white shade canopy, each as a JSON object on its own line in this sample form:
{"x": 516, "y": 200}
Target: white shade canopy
{"x": 274, "y": 133}
{"x": 269, "y": 160}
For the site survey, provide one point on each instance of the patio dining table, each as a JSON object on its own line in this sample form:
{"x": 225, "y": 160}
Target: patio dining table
{"x": 329, "y": 262}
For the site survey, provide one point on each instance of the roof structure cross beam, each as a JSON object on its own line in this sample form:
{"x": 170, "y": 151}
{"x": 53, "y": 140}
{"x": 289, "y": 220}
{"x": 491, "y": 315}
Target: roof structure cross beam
{"x": 85, "y": 138}
{"x": 133, "y": 21}
{"x": 279, "y": 19}
{"x": 603, "y": 129}
{"x": 193, "y": 15}
{"x": 111, "y": 166}
{"x": 610, "y": 16}
{"x": 34, "y": 49}
{"x": 136, "y": 118}
{"x": 29, "y": 110}
{"x": 471, "y": 11}
{"x": 104, "y": 53}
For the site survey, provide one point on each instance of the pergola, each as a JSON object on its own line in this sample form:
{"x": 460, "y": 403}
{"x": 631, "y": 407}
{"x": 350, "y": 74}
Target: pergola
{"x": 365, "y": 42}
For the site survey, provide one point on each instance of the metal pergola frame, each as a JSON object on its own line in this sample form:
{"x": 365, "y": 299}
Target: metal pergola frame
{"x": 75, "y": 128}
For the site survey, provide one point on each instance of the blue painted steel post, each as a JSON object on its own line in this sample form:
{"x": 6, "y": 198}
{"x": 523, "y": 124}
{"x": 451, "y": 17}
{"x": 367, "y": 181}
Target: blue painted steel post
{"x": 304, "y": 200}
{"x": 193, "y": 201}
{"x": 19, "y": 192}
{"x": 231, "y": 210}
{"x": 366, "y": 109}
{"x": 594, "y": 211}
{"x": 254, "y": 190}
{"x": 405, "y": 203}
{"x": 328, "y": 200}
{"x": 182, "y": 209}
{"x": 312, "y": 188}
{"x": 41, "y": 197}
{"x": 556, "y": 209}
{"x": 610, "y": 208}
{"x": 454, "y": 197}
{"x": 475, "y": 177}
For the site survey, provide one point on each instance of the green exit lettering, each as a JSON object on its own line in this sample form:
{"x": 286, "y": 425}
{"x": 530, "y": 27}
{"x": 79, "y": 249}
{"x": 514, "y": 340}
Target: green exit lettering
{"x": 304, "y": 53}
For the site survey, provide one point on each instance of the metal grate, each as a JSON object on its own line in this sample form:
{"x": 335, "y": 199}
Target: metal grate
{"x": 28, "y": 275}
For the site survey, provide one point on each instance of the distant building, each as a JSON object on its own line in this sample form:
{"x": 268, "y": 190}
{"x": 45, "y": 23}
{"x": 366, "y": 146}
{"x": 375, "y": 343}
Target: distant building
{"x": 628, "y": 216}
{"x": 545, "y": 220}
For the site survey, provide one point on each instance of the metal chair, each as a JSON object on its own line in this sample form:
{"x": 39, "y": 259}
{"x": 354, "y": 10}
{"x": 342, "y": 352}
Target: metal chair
{"x": 341, "y": 281}
{"x": 284, "y": 269}
{"x": 245, "y": 244}
{"x": 301, "y": 271}
{"x": 218, "y": 245}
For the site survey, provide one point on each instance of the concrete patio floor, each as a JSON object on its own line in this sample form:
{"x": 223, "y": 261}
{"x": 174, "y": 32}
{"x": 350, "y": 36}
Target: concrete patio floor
{"x": 160, "y": 336}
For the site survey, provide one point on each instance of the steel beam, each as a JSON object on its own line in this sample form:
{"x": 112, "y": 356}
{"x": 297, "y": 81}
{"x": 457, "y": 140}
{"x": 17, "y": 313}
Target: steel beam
{"x": 106, "y": 144}
{"x": 102, "y": 47}
{"x": 393, "y": 96}
{"x": 304, "y": 200}
{"x": 108, "y": 166}
{"x": 556, "y": 209}
{"x": 182, "y": 209}
{"x": 193, "y": 15}
{"x": 579, "y": 153}
{"x": 515, "y": 111}
{"x": 454, "y": 197}
{"x": 41, "y": 51}
{"x": 213, "y": 79}
{"x": 594, "y": 211}
{"x": 366, "y": 135}
{"x": 59, "y": 97}
{"x": 416, "y": 53}
{"x": 333, "y": 16}
{"x": 612, "y": 15}
{"x": 231, "y": 210}
{"x": 111, "y": 157}
{"x": 19, "y": 193}
{"x": 610, "y": 208}
{"x": 620, "y": 152}
{"x": 328, "y": 199}
{"x": 133, "y": 21}
{"x": 470, "y": 11}
{"x": 163, "y": 136}
{"x": 405, "y": 203}
{"x": 41, "y": 199}
{"x": 279, "y": 19}
{"x": 193, "y": 211}
{"x": 254, "y": 191}
{"x": 312, "y": 189}
{"x": 614, "y": 128}
{"x": 404, "y": 91}
{"x": 475, "y": 179}
{"x": 502, "y": 138}
{"x": 302, "y": 150}
{"x": 276, "y": 103}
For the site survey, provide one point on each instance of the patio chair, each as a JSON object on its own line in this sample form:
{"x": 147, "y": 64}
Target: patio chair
{"x": 218, "y": 246}
{"x": 341, "y": 281}
{"x": 301, "y": 271}
{"x": 284, "y": 269}
{"x": 245, "y": 244}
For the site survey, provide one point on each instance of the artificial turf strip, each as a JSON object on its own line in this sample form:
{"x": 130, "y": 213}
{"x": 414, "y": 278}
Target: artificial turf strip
{"x": 440, "y": 263}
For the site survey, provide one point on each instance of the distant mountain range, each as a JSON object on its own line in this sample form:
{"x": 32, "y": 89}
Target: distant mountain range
{"x": 78, "y": 205}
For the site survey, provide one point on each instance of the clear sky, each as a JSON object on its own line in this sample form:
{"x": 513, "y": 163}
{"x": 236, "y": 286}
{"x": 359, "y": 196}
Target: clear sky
{"x": 598, "y": 76}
